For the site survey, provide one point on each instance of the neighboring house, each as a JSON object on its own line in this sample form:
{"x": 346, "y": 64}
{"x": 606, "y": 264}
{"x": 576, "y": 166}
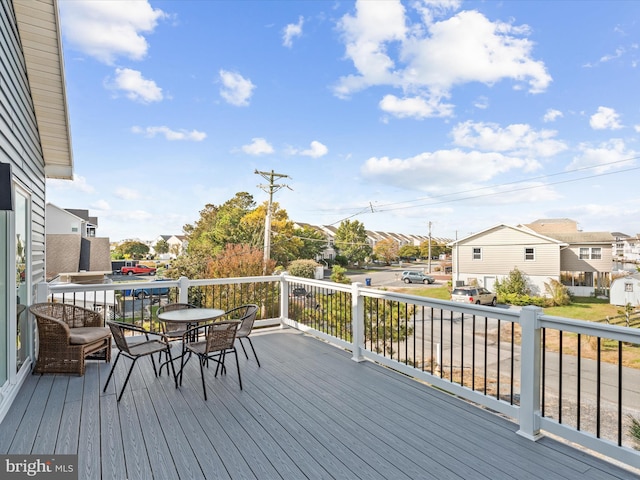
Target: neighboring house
{"x": 489, "y": 255}
{"x": 34, "y": 133}
{"x": 626, "y": 248}
{"x": 626, "y": 290}
{"x": 373, "y": 237}
{"x": 579, "y": 260}
{"x": 72, "y": 245}
{"x": 177, "y": 246}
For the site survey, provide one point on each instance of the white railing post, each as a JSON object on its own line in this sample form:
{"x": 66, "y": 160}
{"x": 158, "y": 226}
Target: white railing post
{"x": 530, "y": 370}
{"x": 183, "y": 290}
{"x": 284, "y": 299}
{"x": 42, "y": 292}
{"x": 357, "y": 322}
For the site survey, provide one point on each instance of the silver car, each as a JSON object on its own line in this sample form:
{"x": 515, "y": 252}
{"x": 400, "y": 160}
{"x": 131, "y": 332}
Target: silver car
{"x": 416, "y": 277}
{"x": 476, "y": 295}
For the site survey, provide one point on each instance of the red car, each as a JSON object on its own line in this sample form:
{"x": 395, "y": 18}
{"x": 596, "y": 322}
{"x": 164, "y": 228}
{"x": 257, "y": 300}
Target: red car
{"x": 138, "y": 270}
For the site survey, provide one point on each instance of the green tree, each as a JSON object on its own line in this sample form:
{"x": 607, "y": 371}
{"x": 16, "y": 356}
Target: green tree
{"x": 313, "y": 242}
{"x": 387, "y": 250}
{"x": 161, "y": 247}
{"x": 351, "y": 241}
{"x": 437, "y": 249}
{"x": 132, "y": 249}
{"x": 409, "y": 251}
{"x": 220, "y": 225}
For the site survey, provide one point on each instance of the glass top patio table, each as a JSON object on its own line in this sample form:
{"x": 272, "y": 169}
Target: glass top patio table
{"x": 190, "y": 315}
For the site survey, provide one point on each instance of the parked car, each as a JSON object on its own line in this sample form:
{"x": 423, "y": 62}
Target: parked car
{"x": 145, "y": 292}
{"x": 476, "y": 295}
{"x": 138, "y": 270}
{"x": 416, "y": 277}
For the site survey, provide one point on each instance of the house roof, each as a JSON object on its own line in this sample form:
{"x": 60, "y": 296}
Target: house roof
{"x": 39, "y": 30}
{"x": 584, "y": 237}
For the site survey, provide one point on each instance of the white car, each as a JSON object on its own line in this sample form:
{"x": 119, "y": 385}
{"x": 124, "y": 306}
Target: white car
{"x": 476, "y": 295}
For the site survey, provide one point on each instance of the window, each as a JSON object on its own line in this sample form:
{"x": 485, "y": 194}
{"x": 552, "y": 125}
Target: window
{"x": 628, "y": 287}
{"x": 477, "y": 253}
{"x": 529, "y": 253}
{"x": 584, "y": 253}
{"x": 596, "y": 253}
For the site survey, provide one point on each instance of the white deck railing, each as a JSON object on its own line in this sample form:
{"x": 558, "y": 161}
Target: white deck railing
{"x": 549, "y": 374}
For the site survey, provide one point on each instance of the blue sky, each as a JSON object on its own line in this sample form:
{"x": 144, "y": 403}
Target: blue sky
{"x": 396, "y": 114}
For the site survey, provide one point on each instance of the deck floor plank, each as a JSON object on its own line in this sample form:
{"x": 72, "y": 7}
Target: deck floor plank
{"x": 309, "y": 411}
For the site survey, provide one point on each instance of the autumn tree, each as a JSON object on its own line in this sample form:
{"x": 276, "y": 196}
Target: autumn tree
{"x": 237, "y": 260}
{"x": 351, "y": 241}
{"x": 387, "y": 250}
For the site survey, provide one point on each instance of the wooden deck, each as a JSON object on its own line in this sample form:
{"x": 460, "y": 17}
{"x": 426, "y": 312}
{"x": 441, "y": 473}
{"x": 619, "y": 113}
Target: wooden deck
{"x": 308, "y": 412}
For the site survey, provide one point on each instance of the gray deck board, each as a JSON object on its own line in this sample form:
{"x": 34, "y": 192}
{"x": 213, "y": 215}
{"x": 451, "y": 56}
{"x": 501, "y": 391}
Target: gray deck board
{"x": 308, "y": 412}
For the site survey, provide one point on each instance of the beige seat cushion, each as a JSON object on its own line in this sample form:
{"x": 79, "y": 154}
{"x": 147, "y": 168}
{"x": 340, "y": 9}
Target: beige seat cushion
{"x": 85, "y": 335}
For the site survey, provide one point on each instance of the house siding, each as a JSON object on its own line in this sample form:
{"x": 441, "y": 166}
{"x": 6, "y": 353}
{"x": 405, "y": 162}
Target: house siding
{"x": 571, "y": 261}
{"x": 20, "y": 147}
{"x": 503, "y": 250}
{"x": 19, "y": 141}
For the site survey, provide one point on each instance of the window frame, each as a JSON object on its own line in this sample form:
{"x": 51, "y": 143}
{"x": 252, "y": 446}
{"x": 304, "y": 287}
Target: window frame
{"x": 531, "y": 254}
{"x": 476, "y": 253}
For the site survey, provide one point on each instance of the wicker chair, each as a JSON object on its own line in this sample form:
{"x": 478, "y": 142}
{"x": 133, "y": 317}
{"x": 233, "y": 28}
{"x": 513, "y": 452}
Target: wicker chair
{"x": 247, "y": 315}
{"x": 67, "y": 335}
{"x": 218, "y": 339}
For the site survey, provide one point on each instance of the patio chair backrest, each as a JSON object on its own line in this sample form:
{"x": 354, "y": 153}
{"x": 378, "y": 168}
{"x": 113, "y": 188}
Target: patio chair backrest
{"x": 221, "y": 335}
{"x": 246, "y": 314}
{"x": 117, "y": 332}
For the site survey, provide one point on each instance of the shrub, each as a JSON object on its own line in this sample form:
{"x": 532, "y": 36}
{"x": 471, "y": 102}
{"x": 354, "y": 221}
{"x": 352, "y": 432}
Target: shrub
{"x": 339, "y": 274}
{"x": 303, "y": 268}
{"x": 558, "y": 294}
{"x": 522, "y": 300}
{"x": 516, "y": 282}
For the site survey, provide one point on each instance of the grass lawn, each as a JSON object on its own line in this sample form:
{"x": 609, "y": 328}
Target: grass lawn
{"x": 586, "y": 308}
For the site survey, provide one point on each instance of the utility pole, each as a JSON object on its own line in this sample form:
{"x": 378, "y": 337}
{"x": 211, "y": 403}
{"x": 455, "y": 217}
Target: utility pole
{"x": 429, "y": 262}
{"x": 271, "y": 177}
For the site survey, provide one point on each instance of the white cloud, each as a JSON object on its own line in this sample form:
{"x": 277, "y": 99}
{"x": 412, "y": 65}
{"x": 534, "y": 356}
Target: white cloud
{"x": 636, "y": 128}
{"x": 605, "y": 119}
{"x": 136, "y": 87}
{"x": 551, "y": 115}
{"x": 292, "y": 31}
{"x": 182, "y": 134}
{"x": 78, "y": 184}
{"x": 316, "y": 150}
{"x": 105, "y": 29}
{"x": 416, "y": 107}
{"x": 442, "y": 168}
{"x": 434, "y": 56}
{"x": 607, "y": 156}
{"x": 236, "y": 89}
{"x": 101, "y": 205}
{"x": 258, "y": 146}
{"x": 517, "y": 139}
{"x": 127, "y": 193}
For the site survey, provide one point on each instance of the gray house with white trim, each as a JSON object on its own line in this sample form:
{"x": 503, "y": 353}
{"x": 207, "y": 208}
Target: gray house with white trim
{"x": 36, "y": 143}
